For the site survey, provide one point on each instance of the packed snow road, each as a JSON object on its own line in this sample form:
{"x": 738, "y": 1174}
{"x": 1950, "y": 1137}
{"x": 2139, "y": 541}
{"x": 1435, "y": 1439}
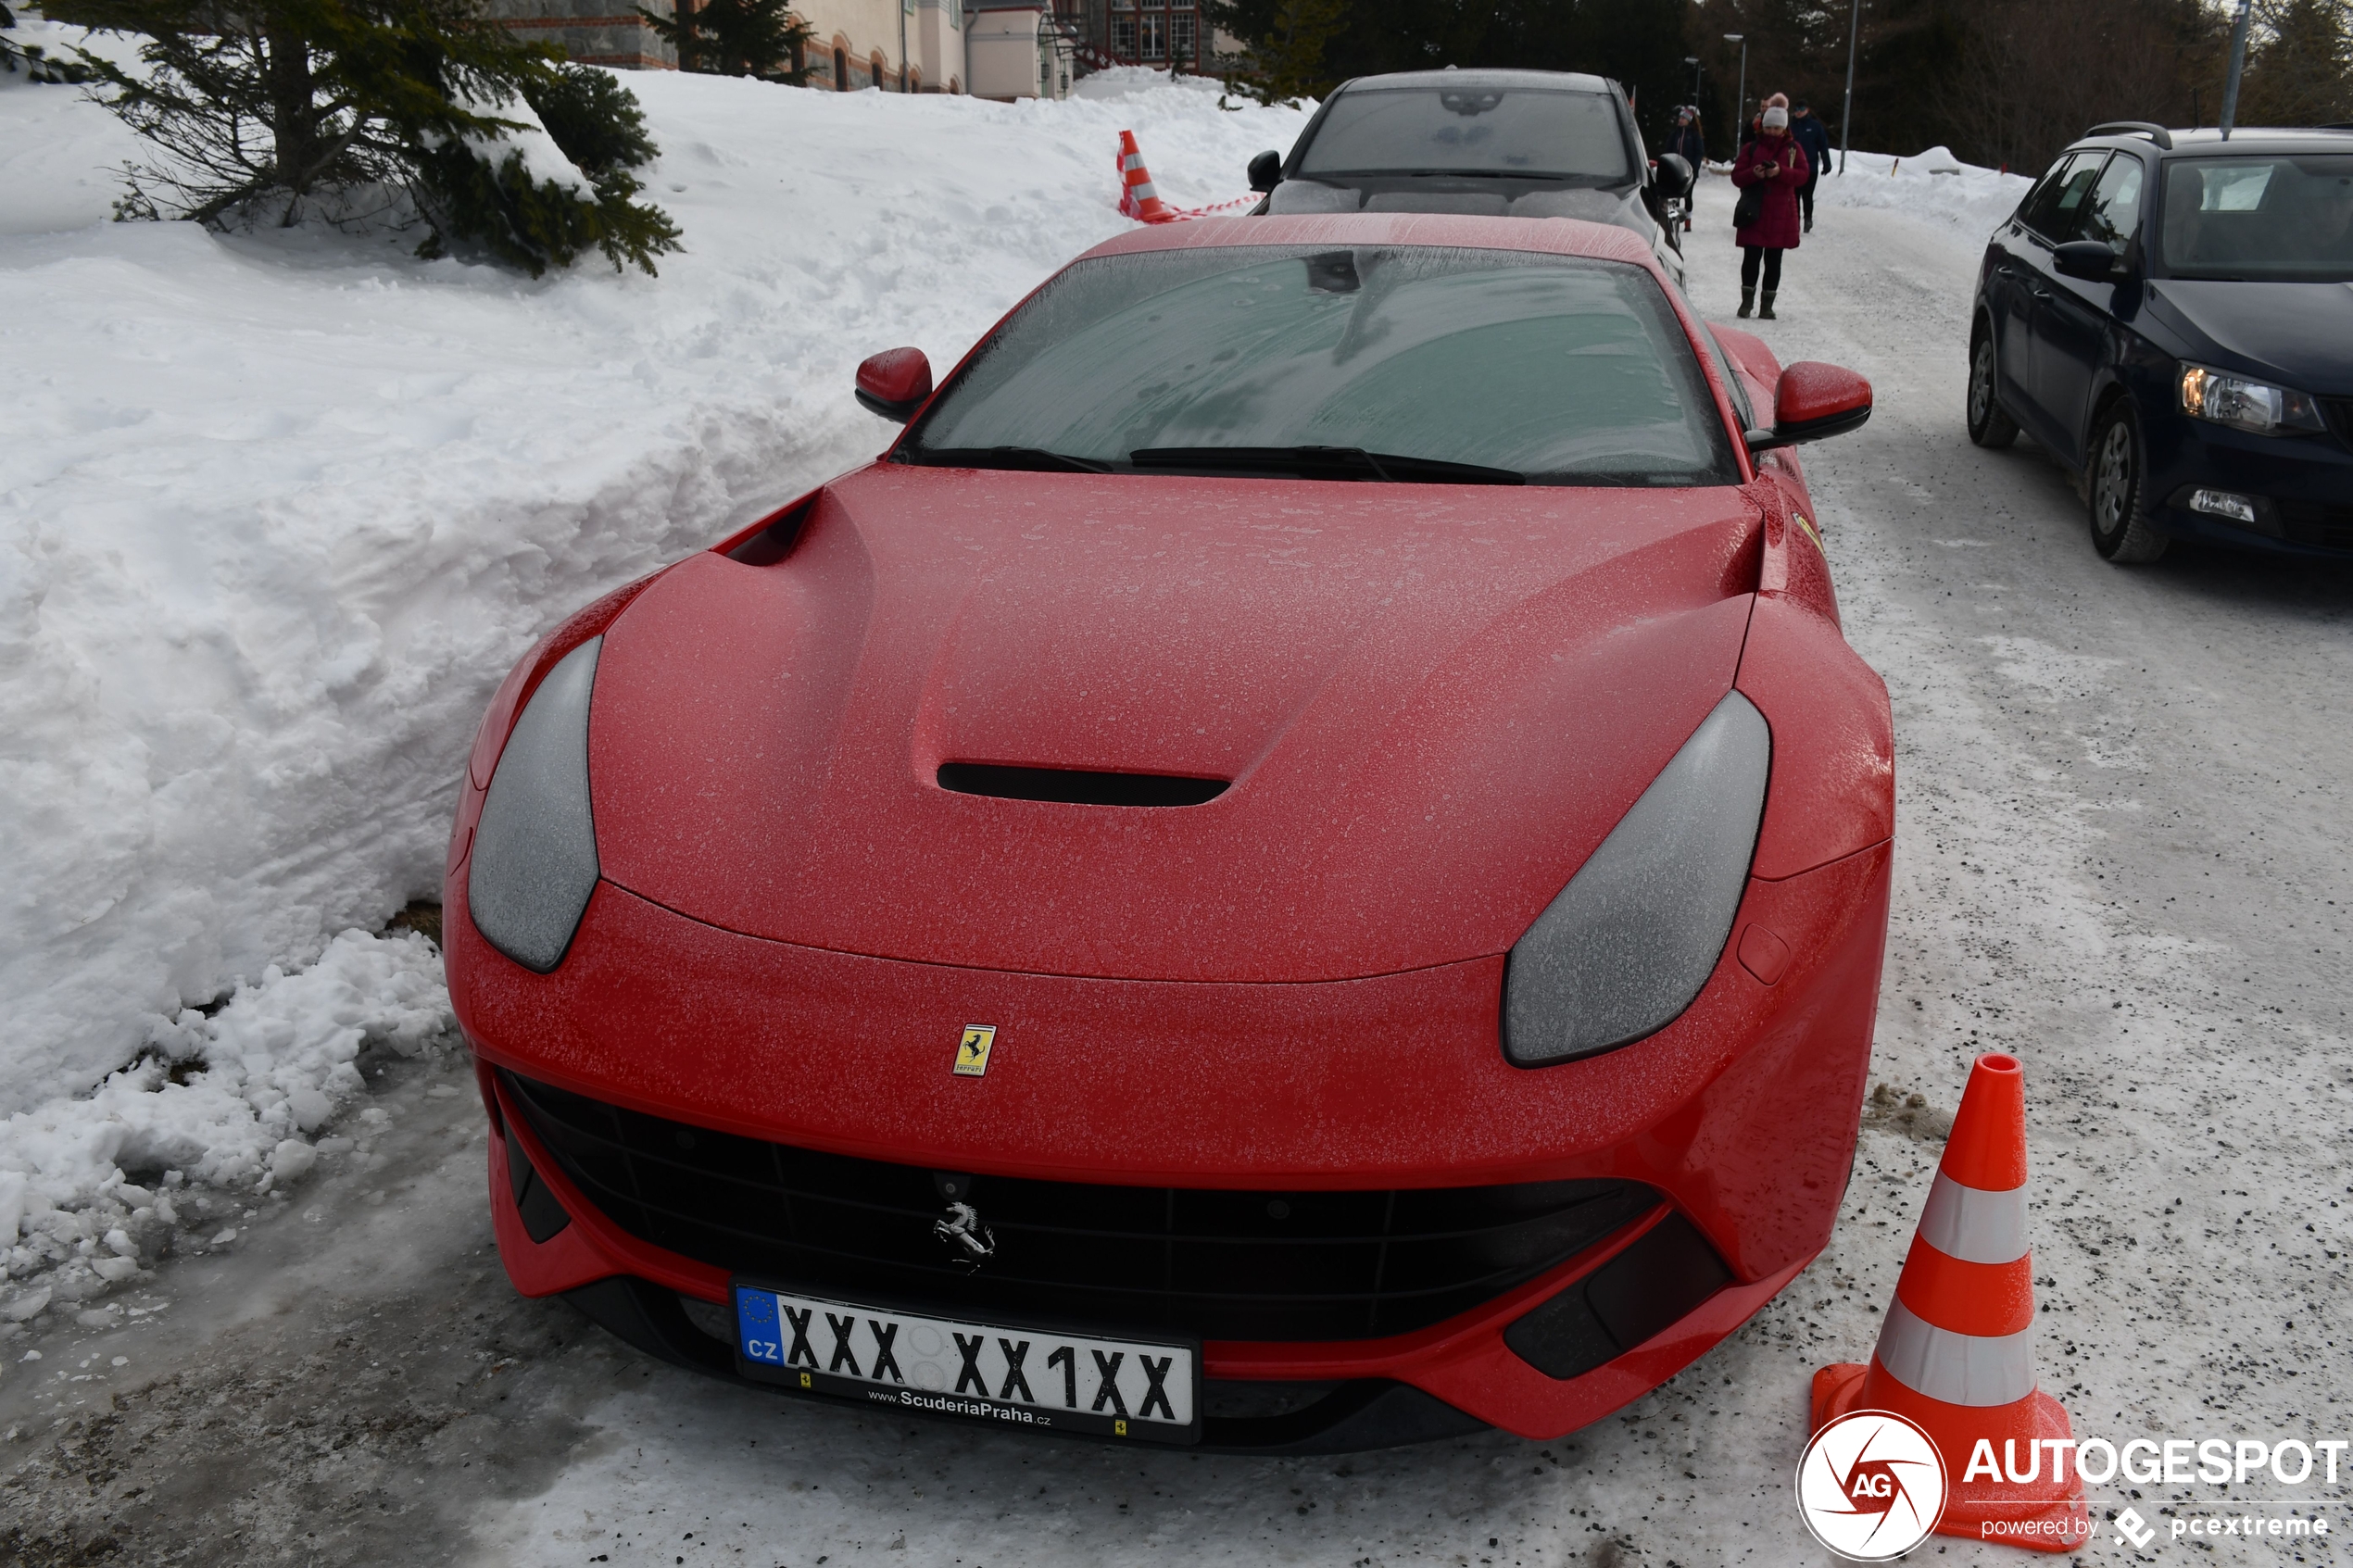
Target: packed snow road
{"x": 2122, "y": 856}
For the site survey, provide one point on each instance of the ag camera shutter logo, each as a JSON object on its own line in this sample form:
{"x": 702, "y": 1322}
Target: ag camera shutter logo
{"x": 1872, "y": 1486}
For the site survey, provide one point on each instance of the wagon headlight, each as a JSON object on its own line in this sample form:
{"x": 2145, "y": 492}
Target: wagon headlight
{"x": 1637, "y": 929}
{"x": 2245, "y": 404}
{"x": 535, "y": 854}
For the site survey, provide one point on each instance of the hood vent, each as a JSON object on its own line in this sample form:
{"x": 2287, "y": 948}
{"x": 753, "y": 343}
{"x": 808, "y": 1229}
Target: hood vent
{"x": 1074, "y": 786}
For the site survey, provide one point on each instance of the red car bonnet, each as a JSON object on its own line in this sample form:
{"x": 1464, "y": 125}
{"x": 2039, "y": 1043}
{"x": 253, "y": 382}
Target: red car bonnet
{"x": 1434, "y": 701}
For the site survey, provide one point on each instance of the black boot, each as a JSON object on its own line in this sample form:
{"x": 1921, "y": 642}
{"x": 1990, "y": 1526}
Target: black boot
{"x": 1766, "y": 314}
{"x": 1748, "y": 302}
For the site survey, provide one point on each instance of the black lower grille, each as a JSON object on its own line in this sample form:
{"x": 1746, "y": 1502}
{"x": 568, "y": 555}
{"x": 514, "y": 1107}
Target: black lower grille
{"x": 1220, "y": 1264}
{"x": 2315, "y": 522}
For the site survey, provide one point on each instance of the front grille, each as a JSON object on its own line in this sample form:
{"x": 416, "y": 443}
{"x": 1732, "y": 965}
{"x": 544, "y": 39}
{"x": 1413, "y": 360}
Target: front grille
{"x": 2315, "y": 522}
{"x": 1219, "y": 1264}
{"x": 2338, "y": 412}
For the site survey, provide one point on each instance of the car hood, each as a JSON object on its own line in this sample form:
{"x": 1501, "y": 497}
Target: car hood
{"x": 2293, "y": 332}
{"x": 1433, "y": 702}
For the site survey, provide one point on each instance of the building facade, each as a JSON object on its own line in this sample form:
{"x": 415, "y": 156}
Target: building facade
{"x": 897, "y": 46}
{"x": 1168, "y": 34}
{"x": 1019, "y": 49}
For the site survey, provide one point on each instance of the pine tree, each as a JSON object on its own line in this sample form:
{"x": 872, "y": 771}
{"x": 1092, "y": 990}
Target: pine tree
{"x": 1285, "y": 40}
{"x": 759, "y": 38}
{"x": 260, "y": 110}
{"x": 2300, "y": 70}
{"x": 31, "y": 59}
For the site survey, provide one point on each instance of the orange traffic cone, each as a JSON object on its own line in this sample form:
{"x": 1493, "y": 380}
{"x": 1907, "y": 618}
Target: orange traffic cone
{"x": 1137, "y": 197}
{"x": 1955, "y": 1355}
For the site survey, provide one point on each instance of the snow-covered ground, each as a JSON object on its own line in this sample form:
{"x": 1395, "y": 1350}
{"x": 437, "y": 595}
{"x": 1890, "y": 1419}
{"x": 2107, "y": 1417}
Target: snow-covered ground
{"x": 1933, "y": 186}
{"x": 277, "y": 511}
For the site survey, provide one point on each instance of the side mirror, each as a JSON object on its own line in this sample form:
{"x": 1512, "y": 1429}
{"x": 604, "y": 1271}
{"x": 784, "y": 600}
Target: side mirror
{"x": 1672, "y": 175}
{"x": 1265, "y": 171}
{"x": 2088, "y": 259}
{"x": 895, "y": 382}
{"x": 1814, "y": 400}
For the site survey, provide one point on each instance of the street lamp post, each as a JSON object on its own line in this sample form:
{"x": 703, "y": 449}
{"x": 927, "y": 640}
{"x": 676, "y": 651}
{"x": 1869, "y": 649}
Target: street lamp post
{"x": 1846, "y": 114}
{"x": 1739, "y": 99}
{"x": 2238, "y": 64}
{"x": 1693, "y": 61}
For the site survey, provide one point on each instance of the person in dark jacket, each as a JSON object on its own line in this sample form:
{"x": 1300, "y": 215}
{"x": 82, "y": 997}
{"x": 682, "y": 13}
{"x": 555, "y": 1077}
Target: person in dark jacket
{"x": 1815, "y": 137}
{"x": 1689, "y": 143}
{"x": 1687, "y": 140}
{"x": 1775, "y": 161}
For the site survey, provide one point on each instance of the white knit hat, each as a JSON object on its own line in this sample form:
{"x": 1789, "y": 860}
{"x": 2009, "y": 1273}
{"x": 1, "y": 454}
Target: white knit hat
{"x": 1777, "y": 118}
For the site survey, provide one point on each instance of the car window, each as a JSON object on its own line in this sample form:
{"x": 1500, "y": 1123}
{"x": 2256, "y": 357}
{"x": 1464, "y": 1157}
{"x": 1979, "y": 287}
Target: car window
{"x": 2114, "y": 209}
{"x": 2055, "y": 209}
{"x": 2255, "y": 216}
{"x": 1531, "y": 133}
{"x": 1560, "y": 369}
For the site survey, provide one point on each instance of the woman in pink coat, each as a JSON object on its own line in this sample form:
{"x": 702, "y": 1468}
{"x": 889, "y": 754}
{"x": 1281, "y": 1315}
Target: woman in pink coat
{"x": 1776, "y": 162}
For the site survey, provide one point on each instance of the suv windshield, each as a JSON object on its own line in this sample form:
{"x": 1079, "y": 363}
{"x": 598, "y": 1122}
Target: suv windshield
{"x": 1380, "y": 362}
{"x": 2280, "y": 217}
{"x": 1525, "y": 133}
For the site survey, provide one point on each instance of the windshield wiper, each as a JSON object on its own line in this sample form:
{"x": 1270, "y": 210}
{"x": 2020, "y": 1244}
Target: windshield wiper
{"x": 1323, "y": 462}
{"x": 1027, "y": 460}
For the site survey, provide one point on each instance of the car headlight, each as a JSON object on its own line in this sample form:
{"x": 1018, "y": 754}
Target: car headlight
{"x": 2246, "y": 405}
{"x": 535, "y": 852}
{"x": 1637, "y": 929}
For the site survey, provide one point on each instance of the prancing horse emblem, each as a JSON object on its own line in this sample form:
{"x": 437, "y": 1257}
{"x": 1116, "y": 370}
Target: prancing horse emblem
{"x": 973, "y": 1047}
{"x": 966, "y": 1234}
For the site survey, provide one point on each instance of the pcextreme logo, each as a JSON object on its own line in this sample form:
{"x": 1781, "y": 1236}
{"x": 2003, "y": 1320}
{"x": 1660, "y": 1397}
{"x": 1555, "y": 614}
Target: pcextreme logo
{"x": 1872, "y": 1486}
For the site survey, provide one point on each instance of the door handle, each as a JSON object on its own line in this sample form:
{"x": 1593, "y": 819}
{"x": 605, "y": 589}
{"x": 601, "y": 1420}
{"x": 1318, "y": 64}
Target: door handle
{"x": 2038, "y": 290}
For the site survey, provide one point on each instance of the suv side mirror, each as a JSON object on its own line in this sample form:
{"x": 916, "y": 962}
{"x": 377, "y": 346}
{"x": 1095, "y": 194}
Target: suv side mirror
{"x": 1814, "y": 400}
{"x": 895, "y": 382}
{"x": 1672, "y": 175}
{"x": 2088, "y": 259}
{"x": 1265, "y": 171}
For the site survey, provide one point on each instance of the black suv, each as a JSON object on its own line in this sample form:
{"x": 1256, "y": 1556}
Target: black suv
{"x": 1497, "y": 143}
{"x": 2168, "y": 314}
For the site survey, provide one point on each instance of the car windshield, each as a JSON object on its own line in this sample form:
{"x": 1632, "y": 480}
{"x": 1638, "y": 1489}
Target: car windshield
{"x": 2280, "y": 217}
{"x": 1525, "y": 132}
{"x": 1516, "y": 367}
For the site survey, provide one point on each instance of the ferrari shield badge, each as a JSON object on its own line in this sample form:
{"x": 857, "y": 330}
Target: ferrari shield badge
{"x": 971, "y": 1050}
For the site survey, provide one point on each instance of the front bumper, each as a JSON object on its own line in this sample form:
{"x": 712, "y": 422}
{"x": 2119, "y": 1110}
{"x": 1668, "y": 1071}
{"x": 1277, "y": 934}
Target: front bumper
{"x": 2302, "y": 487}
{"x": 1741, "y": 1115}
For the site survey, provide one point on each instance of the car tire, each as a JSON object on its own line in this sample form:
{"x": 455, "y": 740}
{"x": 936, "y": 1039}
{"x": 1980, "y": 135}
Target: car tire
{"x": 2122, "y": 531}
{"x": 1988, "y": 425}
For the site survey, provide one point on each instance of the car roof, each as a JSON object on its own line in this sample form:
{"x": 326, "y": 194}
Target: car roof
{"x": 2207, "y": 140}
{"x": 1479, "y": 81}
{"x": 1557, "y": 236}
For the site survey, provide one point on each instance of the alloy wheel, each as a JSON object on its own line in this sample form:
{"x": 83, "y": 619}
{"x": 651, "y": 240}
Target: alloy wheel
{"x": 2112, "y": 485}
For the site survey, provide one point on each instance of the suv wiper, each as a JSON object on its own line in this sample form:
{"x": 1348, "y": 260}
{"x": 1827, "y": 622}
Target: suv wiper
{"x": 1323, "y": 462}
{"x": 1030, "y": 460}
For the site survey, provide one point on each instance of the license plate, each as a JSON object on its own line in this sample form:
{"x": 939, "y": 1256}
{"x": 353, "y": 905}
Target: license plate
{"x": 1041, "y": 1378}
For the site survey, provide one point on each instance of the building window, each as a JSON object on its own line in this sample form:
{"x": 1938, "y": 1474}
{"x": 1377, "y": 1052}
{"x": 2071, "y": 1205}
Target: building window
{"x": 1181, "y": 35}
{"x": 1123, "y": 34}
{"x": 1156, "y": 36}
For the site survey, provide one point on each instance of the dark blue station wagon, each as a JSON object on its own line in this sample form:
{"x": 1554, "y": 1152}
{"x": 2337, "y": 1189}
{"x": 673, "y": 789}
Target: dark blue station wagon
{"x": 2171, "y": 315}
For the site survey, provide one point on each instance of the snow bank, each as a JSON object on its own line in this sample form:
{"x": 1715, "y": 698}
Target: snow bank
{"x": 230, "y": 1100}
{"x": 277, "y": 511}
{"x": 1934, "y": 187}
